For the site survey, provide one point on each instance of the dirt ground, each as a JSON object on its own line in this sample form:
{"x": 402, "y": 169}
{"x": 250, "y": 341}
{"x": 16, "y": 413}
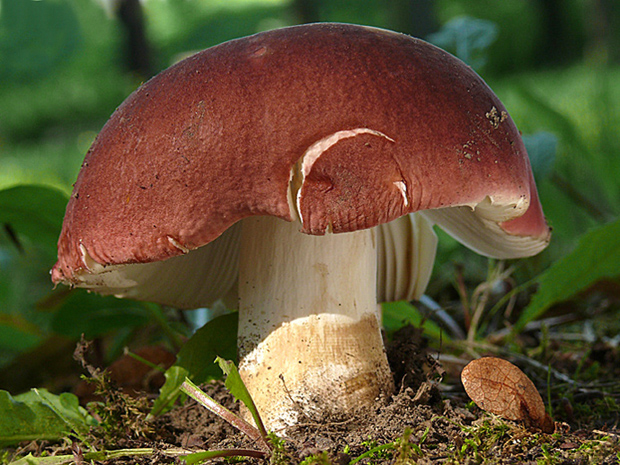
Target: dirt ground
{"x": 429, "y": 420}
{"x": 444, "y": 427}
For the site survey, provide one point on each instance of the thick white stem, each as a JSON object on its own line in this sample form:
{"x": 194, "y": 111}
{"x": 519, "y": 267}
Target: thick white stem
{"x": 310, "y": 343}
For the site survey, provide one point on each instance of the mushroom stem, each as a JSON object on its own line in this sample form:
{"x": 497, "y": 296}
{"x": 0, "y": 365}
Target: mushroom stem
{"x": 310, "y": 343}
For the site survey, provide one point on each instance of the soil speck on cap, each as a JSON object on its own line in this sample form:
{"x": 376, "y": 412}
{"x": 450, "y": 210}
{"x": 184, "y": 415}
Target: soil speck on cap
{"x": 496, "y": 117}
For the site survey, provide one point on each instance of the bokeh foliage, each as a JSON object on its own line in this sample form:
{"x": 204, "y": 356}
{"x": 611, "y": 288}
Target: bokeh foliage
{"x": 65, "y": 66}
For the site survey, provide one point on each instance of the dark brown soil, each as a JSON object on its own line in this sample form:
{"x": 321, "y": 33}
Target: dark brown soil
{"x": 428, "y": 421}
{"x": 443, "y": 427}
{"x": 417, "y": 404}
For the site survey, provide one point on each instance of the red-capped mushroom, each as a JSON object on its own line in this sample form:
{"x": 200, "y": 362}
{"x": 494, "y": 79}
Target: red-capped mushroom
{"x": 339, "y": 131}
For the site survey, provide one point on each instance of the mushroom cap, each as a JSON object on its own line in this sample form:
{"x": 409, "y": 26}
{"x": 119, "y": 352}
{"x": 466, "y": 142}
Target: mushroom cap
{"x": 344, "y": 127}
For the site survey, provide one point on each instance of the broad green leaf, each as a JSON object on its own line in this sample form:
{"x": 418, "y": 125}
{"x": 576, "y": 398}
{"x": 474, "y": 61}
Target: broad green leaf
{"x": 541, "y": 148}
{"x": 398, "y": 314}
{"x": 39, "y": 415}
{"x": 65, "y": 405}
{"x": 216, "y": 338}
{"x": 195, "y": 359}
{"x": 35, "y": 212}
{"x": 468, "y": 38}
{"x": 237, "y": 388}
{"x": 596, "y": 257}
{"x": 93, "y": 315}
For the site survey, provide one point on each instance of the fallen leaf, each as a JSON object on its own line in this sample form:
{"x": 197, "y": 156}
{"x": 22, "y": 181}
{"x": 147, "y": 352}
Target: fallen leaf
{"x": 499, "y": 387}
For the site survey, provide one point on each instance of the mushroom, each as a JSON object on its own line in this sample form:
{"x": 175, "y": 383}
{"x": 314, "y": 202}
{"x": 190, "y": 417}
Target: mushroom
{"x": 293, "y": 162}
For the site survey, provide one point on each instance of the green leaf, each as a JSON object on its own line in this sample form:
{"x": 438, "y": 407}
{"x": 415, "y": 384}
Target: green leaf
{"x": 199, "y": 457}
{"x": 195, "y": 359}
{"x": 170, "y": 391}
{"x": 66, "y": 406}
{"x": 541, "y": 148}
{"x": 596, "y": 257}
{"x": 39, "y": 415}
{"x": 216, "y": 338}
{"x": 237, "y": 388}
{"x": 93, "y": 315}
{"x": 35, "y": 212}
{"x": 53, "y": 460}
{"x": 468, "y": 38}
{"x": 395, "y": 315}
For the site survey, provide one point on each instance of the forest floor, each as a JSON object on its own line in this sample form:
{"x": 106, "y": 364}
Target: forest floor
{"x": 429, "y": 420}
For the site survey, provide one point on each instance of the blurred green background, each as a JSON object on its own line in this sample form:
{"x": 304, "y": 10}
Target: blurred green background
{"x": 65, "y": 65}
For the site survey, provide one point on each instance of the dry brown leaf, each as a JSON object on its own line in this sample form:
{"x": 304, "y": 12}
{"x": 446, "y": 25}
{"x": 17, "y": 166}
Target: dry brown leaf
{"x": 499, "y": 387}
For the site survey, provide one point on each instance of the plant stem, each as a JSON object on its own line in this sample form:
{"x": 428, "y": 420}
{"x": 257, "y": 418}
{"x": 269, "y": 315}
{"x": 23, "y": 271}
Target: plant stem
{"x": 208, "y": 402}
{"x": 99, "y": 456}
{"x": 148, "y": 363}
{"x": 200, "y": 457}
{"x": 158, "y": 316}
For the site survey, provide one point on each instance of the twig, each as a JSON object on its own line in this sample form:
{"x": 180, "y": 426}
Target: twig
{"x": 442, "y": 315}
{"x": 461, "y": 289}
{"x": 606, "y": 433}
{"x": 534, "y": 325}
{"x": 482, "y": 294}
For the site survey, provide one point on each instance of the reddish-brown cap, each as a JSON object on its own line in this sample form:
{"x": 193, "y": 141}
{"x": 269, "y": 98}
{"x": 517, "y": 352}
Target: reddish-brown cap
{"x": 345, "y": 127}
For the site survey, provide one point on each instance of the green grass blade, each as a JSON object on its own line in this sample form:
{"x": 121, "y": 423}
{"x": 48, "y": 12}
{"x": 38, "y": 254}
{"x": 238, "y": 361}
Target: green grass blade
{"x": 99, "y": 456}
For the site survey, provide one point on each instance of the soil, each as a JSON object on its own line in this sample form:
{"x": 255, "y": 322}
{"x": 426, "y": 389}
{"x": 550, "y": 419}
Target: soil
{"x": 417, "y": 403}
{"x": 429, "y": 420}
